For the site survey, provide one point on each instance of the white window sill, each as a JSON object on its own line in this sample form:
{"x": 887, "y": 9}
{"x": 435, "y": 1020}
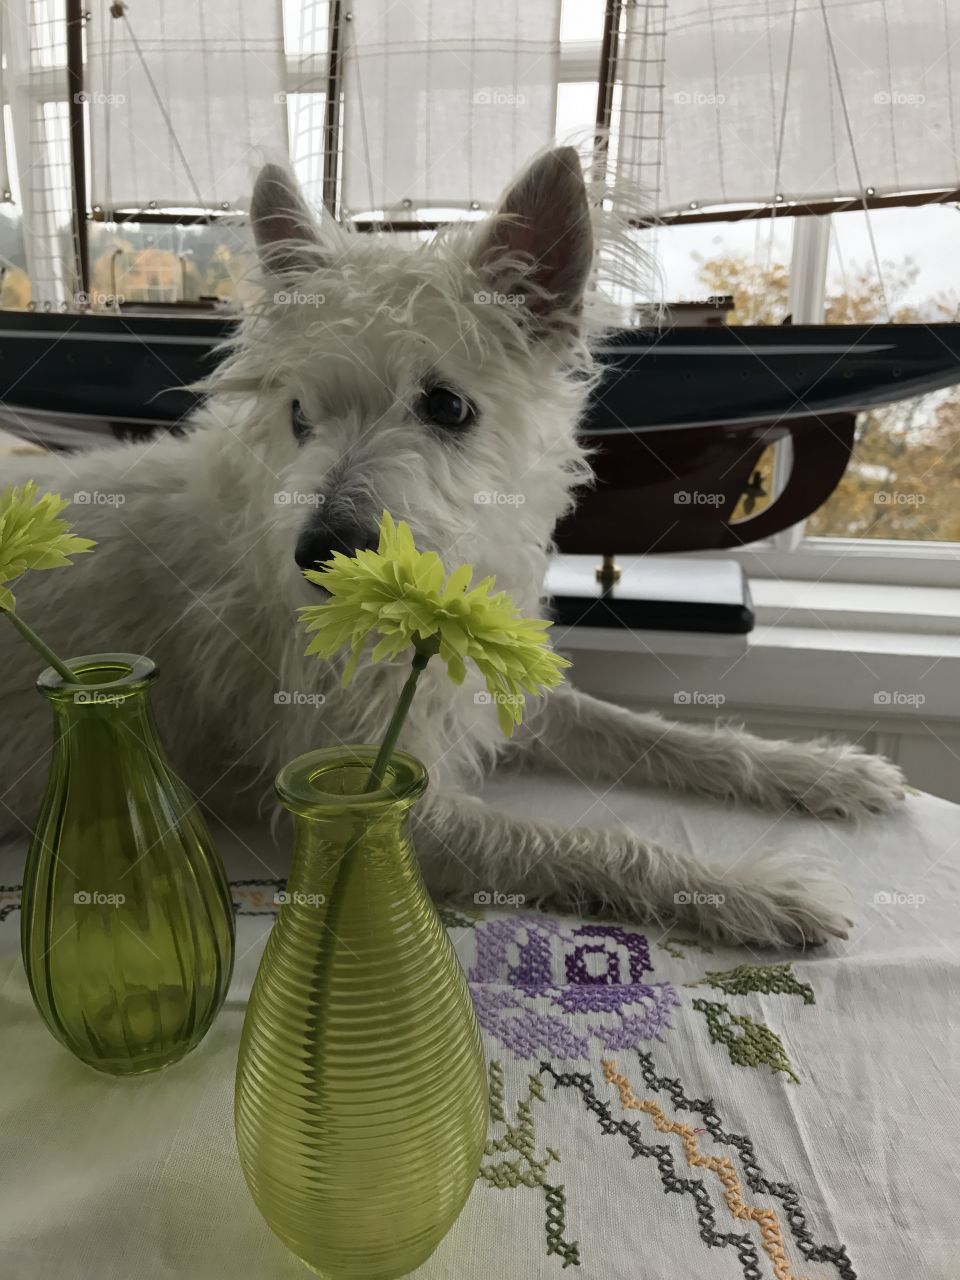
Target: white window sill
{"x": 878, "y": 653}
{"x": 857, "y": 606}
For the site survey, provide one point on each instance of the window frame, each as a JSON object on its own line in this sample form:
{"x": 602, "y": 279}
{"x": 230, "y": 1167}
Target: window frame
{"x": 881, "y": 561}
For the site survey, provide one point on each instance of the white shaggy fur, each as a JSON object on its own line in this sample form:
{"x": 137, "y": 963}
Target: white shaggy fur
{"x": 195, "y": 566}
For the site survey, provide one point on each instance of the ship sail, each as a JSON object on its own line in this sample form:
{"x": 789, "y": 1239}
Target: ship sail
{"x": 779, "y": 102}
{"x": 183, "y": 100}
{"x": 444, "y": 103}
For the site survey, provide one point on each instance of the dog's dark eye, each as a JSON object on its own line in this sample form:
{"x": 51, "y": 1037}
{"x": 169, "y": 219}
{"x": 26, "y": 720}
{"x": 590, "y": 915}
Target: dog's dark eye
{"x": 302, "y": 428}
{"x": 441, "y": 407}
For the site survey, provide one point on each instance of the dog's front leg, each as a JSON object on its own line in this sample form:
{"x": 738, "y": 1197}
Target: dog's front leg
{"x": 468, "y": 849}
{"x": 593, "y": 739}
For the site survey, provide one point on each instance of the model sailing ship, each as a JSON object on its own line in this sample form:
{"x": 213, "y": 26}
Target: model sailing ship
{"x": 680, "y": 407}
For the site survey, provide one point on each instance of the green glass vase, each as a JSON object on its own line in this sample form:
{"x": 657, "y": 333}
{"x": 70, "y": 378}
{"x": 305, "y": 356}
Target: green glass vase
{"x": 127, "y": 926}
{"x": 361, "y": 1098}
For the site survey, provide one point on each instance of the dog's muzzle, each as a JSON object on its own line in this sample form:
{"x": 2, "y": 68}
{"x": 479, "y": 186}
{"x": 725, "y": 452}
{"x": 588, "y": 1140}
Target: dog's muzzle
{"x": 319, "y": 540}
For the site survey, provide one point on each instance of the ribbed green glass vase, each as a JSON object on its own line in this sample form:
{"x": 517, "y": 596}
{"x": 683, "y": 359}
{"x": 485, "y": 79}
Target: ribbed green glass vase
{"x": 127, "y": 922}
{"x": 361, "y": 1100}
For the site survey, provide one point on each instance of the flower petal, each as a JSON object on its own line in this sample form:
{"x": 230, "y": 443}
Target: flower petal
{"x": 398, "y": 594}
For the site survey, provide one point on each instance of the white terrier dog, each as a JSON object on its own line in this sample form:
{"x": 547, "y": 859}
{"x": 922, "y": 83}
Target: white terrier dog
{"x": 375, "y": 377}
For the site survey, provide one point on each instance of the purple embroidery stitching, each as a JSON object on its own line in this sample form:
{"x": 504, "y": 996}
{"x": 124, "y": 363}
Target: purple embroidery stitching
{"x": 595, "y": 969}
{"x": 635, "y": 945}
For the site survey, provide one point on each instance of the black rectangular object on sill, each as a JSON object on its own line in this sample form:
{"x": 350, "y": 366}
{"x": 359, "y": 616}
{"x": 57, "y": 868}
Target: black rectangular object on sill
{"x": 653, "y": 593}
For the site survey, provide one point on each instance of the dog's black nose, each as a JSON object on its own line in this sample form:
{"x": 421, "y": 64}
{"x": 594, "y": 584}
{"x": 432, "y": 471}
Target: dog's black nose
{"x": 318, "y": 542}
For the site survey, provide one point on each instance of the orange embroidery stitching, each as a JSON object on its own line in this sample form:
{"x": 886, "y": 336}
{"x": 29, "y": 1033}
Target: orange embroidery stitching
{"x": 766, "y": 1219}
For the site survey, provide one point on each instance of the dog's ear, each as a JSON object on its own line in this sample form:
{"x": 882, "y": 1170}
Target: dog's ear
{"x": 543, "y": 221}
{"x": 283, "y": 226}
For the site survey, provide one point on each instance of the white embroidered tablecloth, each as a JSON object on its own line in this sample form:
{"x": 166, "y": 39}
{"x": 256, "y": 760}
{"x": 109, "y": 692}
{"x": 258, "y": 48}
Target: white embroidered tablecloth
{"x": 661, "y": 1110}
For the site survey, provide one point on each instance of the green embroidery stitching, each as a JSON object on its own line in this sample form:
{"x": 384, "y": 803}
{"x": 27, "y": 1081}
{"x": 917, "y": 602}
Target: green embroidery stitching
{"x": 520, "y": 1137}
{"x": 770, "y": 979}
{"x": 756, "y": 1045}
{"x": 672, "y": 946}
{"x": 526, "y": 1170}
{"x": 556, "y": 1225}
{"x": 495, "y": 1090}
{"x": 452, "y": 918}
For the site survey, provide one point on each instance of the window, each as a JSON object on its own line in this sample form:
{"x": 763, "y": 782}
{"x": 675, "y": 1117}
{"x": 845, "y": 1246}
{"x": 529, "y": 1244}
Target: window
{"x": 903, "y": 481}
{"x": 15, "y": 287}
{"x": 895, "y": 516}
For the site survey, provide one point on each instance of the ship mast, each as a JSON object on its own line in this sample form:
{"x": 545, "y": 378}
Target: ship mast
{"x": 76, "y": 18}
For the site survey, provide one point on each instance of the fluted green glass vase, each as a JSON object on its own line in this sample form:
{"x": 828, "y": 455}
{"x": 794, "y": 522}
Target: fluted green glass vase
{"x": 361, "y": 1102}
{"x": 127, "y": 922}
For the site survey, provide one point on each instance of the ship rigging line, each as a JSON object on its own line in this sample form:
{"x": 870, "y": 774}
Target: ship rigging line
{"x": 367, "y": 154}
{"x": 782, "y": 133}
{"x": 120, "y": 11}
{"x": 855, "y": 158}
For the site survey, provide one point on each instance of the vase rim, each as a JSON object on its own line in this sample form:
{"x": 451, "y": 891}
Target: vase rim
{"x": 296, "y": 783}
{"x": 133, "y": 672}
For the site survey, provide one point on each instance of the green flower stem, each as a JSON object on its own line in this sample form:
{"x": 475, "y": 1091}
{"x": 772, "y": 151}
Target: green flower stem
{"x": 374, "y": 781}
{"x": 48, "y": 655}
{"x": 389, "y": 743}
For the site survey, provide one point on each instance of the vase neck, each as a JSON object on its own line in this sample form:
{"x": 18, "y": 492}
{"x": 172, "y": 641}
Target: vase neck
{"x": 108, "y": 701}
{"x": 337, "y": 819}
{"x": 374, "y": 845}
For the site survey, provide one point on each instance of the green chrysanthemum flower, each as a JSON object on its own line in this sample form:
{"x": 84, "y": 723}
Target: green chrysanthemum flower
{"x": 402, "y": 595}
{"x": 33, "y": 536}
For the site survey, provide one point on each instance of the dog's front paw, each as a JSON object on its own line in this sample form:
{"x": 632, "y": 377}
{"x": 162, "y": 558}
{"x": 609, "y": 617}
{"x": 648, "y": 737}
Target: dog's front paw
{"x": 846, "y": 783}
{"x": 775, "y": 900}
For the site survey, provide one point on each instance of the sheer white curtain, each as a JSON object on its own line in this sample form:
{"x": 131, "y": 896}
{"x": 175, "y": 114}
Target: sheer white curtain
{"x": 871, "y": 90}
{"x": 444, "y": 102}
{"x": 219, "y": 69}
